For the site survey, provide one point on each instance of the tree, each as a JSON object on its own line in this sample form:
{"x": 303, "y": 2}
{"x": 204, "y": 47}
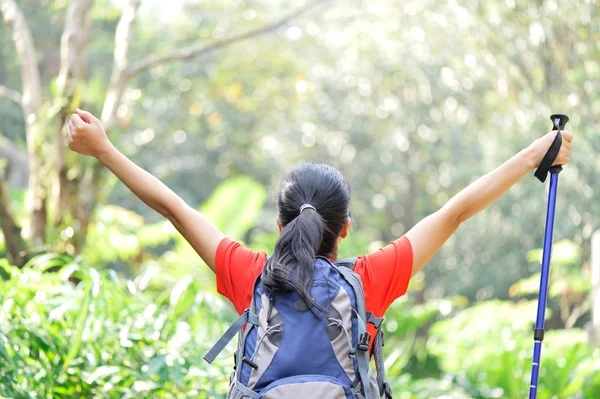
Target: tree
{"x": 62, "y": 192}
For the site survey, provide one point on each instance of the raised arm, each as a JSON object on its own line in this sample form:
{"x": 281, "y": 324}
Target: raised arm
{"x": 427, "y": 236}
{"x": 86, "y": 136}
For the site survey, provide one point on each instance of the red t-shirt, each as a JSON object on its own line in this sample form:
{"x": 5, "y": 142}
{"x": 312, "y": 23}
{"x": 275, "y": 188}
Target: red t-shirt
{"x": 385, "y": 274}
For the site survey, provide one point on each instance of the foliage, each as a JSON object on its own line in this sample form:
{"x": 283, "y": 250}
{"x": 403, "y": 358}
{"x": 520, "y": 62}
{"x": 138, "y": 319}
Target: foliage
{"x": 489, "y": 346}
{"x": 111, "y": 336}
{"x": 81, "y": 331}
{"x": 106, "y": 336}
{"x": 568, "y": 286}
{"x": 410, "y": 100}
{"x": 410, "y": 112}
{"x": 566, "y": 276}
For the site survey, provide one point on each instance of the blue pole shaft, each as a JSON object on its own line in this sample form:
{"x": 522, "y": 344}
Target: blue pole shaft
{"x": 541, "y": 311}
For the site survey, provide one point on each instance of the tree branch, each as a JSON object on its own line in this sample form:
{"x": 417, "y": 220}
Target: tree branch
{"x": 72, "y": 43}
{"x": 199, "y": 50}
{"x": 11, "y": 94}
{"x": 123, "y": 40}
{"x": 30, "y": 74}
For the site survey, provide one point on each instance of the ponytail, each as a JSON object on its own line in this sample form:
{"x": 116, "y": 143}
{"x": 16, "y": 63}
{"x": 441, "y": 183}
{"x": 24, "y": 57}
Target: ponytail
{"x": 313, "y": 206}
{"x": 291, "y": 266}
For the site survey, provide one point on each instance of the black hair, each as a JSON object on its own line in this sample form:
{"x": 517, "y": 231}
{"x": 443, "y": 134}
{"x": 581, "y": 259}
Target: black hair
{"x": 310, "y": 233}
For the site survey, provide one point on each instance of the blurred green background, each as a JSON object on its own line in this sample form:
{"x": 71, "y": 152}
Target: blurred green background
{"x": 411, "y": 100}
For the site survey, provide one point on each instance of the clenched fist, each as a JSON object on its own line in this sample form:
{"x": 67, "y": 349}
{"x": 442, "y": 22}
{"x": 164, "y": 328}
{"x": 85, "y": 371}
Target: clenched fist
{"x": 541, "y": 146}
{"x": 86, "y": 134}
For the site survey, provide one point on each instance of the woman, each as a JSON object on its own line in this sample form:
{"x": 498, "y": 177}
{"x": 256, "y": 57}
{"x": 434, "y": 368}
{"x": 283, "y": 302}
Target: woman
{"x": 314, "y": 217}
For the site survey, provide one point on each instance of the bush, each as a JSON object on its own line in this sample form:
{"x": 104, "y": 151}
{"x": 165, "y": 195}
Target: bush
{"x": 489, "y": 347}
{"x": 106, "y": 336}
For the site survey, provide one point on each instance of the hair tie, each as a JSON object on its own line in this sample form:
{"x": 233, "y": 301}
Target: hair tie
{"x": 303, "y": 207}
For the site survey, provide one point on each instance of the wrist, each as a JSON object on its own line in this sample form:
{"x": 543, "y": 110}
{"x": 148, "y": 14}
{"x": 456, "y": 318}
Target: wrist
{"x": 104, "y": 154}
{"x": 530, "y": 157}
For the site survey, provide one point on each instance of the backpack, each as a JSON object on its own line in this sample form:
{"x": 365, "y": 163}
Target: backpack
{"x": 290, "y": 351}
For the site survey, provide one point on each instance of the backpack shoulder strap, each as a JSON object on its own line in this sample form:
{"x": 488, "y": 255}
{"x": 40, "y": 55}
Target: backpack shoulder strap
{"x": 345, "y": 269}
{"x": 239, "y": 355}
{"x": 377, "y": 352}
{"x": 348, "y": 262}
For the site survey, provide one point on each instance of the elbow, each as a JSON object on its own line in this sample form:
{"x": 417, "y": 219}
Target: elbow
{"x": 169, "y": 208}
{"x": 168, "y": 215}
{"x": 460, "y": 218}
{"x": 453, "y": 217}
{"x": 162, "y": 210}
{"x": 176, "y": 212}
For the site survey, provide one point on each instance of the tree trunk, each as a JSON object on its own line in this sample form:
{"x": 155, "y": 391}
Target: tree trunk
{"x": 72, "y": 70}
{"x": 88, "y": 196}
{"x": 31, "y": 102}
{"x": 86, "y": 190}
{"x": 13, "y": 242}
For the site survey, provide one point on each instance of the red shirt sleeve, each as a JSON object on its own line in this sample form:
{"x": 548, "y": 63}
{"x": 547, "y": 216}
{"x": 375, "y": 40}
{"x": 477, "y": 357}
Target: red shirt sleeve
{"x": 237, "y": 268}
{"x": 385, "y": 274}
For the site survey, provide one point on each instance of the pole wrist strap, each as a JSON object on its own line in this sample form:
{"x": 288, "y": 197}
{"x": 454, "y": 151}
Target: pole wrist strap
{"x": 546, "y": 165}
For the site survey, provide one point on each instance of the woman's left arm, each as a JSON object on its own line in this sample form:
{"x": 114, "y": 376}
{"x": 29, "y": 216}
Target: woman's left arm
{"x": 427, "y": 236}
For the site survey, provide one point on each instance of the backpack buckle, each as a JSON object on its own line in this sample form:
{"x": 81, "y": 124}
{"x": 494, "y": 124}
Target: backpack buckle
{"x": 376, "y": 321}
{"x": 363, "y": 341}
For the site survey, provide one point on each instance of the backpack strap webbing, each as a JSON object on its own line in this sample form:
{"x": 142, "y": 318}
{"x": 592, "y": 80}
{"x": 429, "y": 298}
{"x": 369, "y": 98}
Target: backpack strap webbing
{"x": 246, "y": 317}
{"x": 348, "y": 262}
{"x": 363, "y": 336}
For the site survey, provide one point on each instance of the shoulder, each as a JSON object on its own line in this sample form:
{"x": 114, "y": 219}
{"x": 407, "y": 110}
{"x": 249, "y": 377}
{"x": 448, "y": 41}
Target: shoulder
{"x": 396, "y": 253}
{"x": 231, "y": 251}
{"x": 385, "y": 274}
{"x": 237, "y": 267}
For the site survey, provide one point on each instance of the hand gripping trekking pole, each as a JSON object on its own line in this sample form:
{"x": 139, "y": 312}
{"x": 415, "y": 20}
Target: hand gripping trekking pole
{"x": 558, "y": 121}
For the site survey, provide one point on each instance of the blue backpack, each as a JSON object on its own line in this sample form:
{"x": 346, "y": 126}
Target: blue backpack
{"x": 290, "y": 351}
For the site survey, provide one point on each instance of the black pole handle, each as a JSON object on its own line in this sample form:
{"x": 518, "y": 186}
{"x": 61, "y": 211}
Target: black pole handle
{"x": 558, "y": 123}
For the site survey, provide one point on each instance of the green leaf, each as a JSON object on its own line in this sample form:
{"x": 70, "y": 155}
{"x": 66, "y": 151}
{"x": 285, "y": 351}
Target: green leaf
{"x": 235, "y": 206}
{"x": 101, "y": 373}
{"x": 77, "y": 337}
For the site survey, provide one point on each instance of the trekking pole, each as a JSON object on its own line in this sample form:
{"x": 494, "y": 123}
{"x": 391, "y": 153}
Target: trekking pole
{"x": 558, "y": 121}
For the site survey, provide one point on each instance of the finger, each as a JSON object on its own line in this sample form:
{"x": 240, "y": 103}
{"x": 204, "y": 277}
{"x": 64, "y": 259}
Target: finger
{"x": 566, "y": 144}
{"x": 568, "y": 136}
{"x": 562, "y": 158}
{"x": 560, "y": 161}
{"x": 77, "y": 121}
{"x": 70, "y": 128}
{"x": 87, "y": 117}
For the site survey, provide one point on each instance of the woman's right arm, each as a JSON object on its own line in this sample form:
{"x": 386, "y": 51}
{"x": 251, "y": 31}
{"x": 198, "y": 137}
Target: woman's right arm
{"x": 86, "y": 136}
